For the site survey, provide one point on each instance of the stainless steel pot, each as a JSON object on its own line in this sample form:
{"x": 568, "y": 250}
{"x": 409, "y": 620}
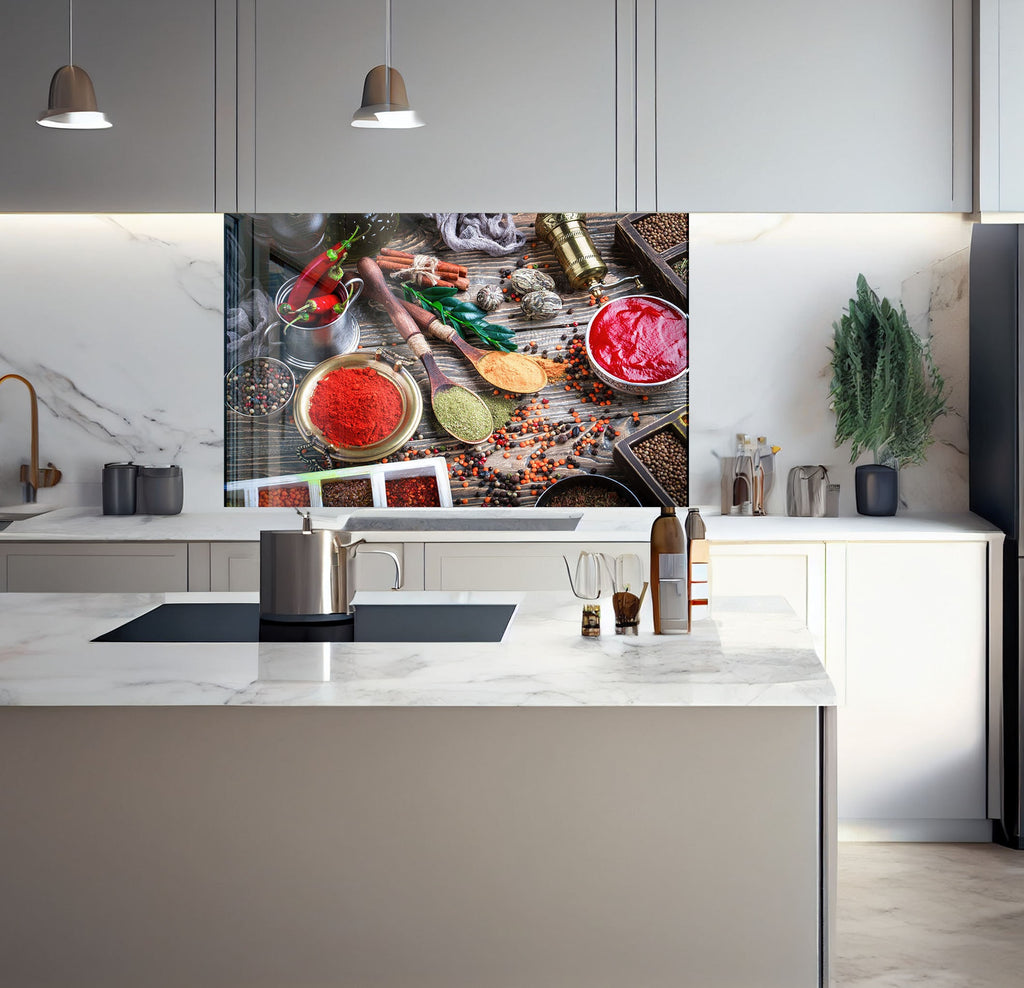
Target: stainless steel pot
{"x": 308, "y": 573}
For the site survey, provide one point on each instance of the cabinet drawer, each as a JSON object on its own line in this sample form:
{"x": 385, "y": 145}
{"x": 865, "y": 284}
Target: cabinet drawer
{"x": 512, "y": 565}
{"x": 235, "y": 566}
{"x": 95, "y": 568}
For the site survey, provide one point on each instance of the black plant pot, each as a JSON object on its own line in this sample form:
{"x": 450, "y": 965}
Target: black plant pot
{"x": 878, "y": 489}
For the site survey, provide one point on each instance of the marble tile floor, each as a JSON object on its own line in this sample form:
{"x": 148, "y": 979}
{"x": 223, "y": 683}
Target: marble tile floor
{"x": 941, "y": 915}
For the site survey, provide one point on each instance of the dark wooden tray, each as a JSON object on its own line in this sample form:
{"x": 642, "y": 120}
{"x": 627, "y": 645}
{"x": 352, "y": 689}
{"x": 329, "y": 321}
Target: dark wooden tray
{"x": 649, "y": 490}
{"x": 656, "y": 268}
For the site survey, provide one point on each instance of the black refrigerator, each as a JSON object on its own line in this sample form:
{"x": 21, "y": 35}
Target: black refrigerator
{"x": 996, "y": 418}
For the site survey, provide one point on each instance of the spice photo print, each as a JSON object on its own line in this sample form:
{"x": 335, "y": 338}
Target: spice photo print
{"x": 456, "y": 360}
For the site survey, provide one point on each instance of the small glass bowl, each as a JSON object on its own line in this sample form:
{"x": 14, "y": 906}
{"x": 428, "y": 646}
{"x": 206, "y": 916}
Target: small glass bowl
{"x": 232, "y": 396}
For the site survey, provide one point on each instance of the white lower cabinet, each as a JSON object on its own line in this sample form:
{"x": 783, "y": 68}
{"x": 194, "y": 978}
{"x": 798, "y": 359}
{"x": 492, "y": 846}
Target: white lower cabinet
{"x": 235, "y": 566}
{"x": 912, "y": 734}
{"x": 94, "y": 567}
{"x": 794, "y": 571}
{"x": 376, "y": 572}
{"x": 513, "y": 565}
{"x": 902, "y": 629}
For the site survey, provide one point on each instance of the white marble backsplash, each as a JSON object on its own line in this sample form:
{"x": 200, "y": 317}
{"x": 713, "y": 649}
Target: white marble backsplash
{"x": 765, "y": 292}
{"x": 118, "y": 322}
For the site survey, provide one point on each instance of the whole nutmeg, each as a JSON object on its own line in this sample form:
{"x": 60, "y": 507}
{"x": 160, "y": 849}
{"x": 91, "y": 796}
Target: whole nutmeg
{"x": 540, "y": 304}
{"x": 489, "y": 297}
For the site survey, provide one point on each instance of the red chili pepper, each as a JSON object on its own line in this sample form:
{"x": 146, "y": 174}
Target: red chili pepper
{"x": 323, "y": 271}
{"x": 312, "y": 308}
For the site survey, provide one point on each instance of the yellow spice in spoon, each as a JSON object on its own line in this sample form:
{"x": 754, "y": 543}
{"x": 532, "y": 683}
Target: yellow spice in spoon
{"x": 512, "y": 372}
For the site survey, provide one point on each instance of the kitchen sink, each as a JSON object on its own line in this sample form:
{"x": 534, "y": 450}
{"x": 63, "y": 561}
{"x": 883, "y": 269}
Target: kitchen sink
{"x": 240, "y": 622}
{"x": 19, "y": 512}
{"x": 530, "y": 520}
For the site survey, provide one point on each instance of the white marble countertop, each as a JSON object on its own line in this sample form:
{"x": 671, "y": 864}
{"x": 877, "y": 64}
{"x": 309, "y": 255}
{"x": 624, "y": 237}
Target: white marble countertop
{"x": 596, "y": 525}
{"x": 753, "y": 652}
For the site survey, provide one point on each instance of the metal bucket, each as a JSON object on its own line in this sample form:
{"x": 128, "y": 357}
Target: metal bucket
{"x": 303, "y": 347}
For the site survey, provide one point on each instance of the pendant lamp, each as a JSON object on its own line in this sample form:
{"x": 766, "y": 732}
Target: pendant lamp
{"x": 385, "y": 101}
{"x": 72, "y": 104}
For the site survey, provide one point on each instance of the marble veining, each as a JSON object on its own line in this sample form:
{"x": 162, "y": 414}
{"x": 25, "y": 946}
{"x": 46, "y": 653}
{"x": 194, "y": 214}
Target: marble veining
{"x": 936, "y": 300}
{"x": 749, "y": 654}
{"x": 766, "y": 289}
{"x": 131, "y": 367}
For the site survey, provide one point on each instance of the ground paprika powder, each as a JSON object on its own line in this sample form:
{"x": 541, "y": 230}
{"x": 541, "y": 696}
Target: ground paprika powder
{"x": 355, "y": 406}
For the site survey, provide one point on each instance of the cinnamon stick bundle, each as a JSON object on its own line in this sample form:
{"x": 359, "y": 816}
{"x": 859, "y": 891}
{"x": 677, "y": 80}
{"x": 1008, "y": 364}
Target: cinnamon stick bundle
{"x": 404, "y": 255}
{"x": 446, "y": 275}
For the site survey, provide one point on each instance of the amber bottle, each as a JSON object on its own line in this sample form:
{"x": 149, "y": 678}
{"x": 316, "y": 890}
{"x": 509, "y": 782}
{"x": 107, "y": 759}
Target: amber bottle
{"x": 668, "y": 573}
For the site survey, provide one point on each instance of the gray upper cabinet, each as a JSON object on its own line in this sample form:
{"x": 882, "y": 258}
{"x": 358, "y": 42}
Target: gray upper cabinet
{"x": 153, "y": 69}
{"x": 800, "y": 105}
{"x": 999, "y": 159}
{"x": 519, "y": 101}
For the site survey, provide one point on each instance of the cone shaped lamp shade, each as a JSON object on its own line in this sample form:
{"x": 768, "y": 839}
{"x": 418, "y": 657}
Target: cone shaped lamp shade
{"x": 72, "y": 103}
{"x": 378, "y": 110}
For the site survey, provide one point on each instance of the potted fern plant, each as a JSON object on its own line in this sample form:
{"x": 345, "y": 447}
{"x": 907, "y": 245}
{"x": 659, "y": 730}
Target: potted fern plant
{"x": 886, "y": 393}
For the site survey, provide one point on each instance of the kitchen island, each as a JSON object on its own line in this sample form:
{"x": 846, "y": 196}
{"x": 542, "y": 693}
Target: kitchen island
{"x": 542, "y": 810}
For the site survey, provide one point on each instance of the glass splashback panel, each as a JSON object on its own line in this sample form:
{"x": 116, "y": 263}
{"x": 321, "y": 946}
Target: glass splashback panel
{"x": 565, "y": 385}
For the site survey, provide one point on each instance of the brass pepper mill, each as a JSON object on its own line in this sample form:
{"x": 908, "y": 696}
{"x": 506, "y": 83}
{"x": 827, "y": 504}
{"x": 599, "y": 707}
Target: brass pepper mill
{"x": 568, "y": 235}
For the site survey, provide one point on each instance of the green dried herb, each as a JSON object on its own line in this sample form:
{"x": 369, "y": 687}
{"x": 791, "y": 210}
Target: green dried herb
{"x": 462, "y": 413}
{"x": 886, "y": 391}
{"x": 461, "y": 315}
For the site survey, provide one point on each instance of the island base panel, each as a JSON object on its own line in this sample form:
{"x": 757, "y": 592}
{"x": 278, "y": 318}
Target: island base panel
{"x": 426, "y": 847}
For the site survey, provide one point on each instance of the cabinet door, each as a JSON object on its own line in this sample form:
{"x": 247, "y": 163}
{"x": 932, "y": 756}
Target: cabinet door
{"x": 1001, "y": 105}
{"x": 911, "y": 734}
{"x": 95, "y": 567}
{"x": 235, "y": 566}
{"x": 518, "y": 100}
{"x": 376, "y": 572}
{"x": 800, "y": 105}
{"x": 793, "y": 571}
{"x": 153, "y": 69}
{"x": 513, "y": 565}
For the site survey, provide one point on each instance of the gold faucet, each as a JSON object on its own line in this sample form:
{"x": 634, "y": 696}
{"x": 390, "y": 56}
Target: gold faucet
{"x": 30, "y": 477}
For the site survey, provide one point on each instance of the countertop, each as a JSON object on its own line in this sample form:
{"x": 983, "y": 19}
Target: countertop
{"x": 469, "y": 525}
{"x": 752, "y": 652}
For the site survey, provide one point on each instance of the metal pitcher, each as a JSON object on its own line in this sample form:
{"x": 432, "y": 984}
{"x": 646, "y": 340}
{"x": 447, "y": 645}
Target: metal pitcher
{"x": 308, "y": 573}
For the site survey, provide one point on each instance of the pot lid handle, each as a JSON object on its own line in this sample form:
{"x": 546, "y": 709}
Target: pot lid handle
{"x": 307, "y": 525}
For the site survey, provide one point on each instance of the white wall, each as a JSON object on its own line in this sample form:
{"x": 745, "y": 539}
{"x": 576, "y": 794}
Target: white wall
{"x": 118, "y": 321}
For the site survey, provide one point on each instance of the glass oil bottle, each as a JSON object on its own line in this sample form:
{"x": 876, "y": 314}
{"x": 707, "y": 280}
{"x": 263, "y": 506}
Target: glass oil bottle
{"x": 743, "y": 477}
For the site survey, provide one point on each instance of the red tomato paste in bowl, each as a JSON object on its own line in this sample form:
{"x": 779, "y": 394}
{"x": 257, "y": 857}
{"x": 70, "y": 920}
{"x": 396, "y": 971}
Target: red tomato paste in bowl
{"x": 640, "y": 338}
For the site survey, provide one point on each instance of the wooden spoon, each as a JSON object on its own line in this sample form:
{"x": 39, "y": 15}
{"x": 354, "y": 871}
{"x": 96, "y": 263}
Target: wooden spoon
{"x": 516, "y": 362}
{"x": 377, "y": 289}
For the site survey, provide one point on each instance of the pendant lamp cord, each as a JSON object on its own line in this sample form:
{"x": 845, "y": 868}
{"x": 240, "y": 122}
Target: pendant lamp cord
{"x": 71, "y": 32}
{"x": 387, "y": 52}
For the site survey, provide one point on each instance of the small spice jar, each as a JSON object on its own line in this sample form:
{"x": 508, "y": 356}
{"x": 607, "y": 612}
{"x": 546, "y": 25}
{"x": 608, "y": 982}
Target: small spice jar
{"x": 591, "y": 624}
